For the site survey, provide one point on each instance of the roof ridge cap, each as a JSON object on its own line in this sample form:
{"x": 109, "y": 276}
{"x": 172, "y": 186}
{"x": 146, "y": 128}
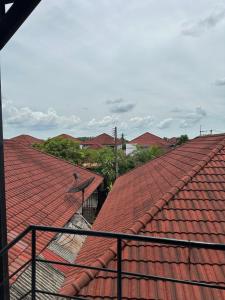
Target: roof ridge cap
{"x": 87, "y": 275}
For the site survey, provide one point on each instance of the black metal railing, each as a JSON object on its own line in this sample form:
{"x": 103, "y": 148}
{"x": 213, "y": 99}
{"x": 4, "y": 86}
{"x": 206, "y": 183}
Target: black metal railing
{"x": 120, "y": 238}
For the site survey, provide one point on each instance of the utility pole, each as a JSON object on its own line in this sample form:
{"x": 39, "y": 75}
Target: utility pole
{"x": 116, "y": 154}
{"x": 4, "y": 271}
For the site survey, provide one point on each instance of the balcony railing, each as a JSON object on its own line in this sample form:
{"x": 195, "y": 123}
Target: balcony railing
{"x": 119, "y": 237}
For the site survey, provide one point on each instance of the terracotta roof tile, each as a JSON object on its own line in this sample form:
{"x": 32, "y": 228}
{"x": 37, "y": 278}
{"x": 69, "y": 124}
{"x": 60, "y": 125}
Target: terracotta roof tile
{"x": 160, "y": 199}
{"x": 26, "y": 139}
{"x": 149, "y": 139}
{"x": 68, "y": 137}
{"x": 36, "y": 193}
{"x": 102, "y": 140}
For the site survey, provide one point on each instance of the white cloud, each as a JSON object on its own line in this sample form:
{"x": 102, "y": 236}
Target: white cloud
{"x": 25, "y": 117}
{"x": 189, "y": 119}
{"x": 104, "y": 122}
{"x": 123, "y": 125}
{"x": 198, "y": 27}
{"x": 114, "y": 101}
{"x": 141, "y": 121}
{"x": 220, "y": 82}
{"x": 120, "y": 105}
{"x": 165, "y": 123}
{"x": 120, "y": 51}
{"x": 122, "y": 108}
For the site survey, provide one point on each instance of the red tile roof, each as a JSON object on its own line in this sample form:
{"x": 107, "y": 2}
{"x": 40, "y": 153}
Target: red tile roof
{"x": 178, "y": 195}
{"x": 95, "y": 146}
{"x": 68, "y": 137}
{"x": 148, "y": 139}
{"x": 36, "y": 192}
{"x": 102, "y": 139}
{"x": 26, "y": 139}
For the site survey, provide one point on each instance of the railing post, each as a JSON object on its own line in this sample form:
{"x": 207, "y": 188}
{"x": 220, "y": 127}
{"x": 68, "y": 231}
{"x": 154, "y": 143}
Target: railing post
{"x": 33, "y": 265}
{"x": 4, "y": 271}
{"x": 119, "y": 269}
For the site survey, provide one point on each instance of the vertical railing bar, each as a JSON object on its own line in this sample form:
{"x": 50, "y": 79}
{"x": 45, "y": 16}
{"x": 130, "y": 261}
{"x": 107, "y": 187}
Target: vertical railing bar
{"x": 33, "y": 265}
{"x": 189, "y": 261}
{"x": 119, "y": 269}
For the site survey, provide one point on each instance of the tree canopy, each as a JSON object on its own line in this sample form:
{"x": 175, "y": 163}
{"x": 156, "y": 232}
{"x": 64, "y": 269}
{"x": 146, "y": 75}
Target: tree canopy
{"x": 62, "y": 148}
{"x": 101, "y": 160}
{"x": 182, "y": 139}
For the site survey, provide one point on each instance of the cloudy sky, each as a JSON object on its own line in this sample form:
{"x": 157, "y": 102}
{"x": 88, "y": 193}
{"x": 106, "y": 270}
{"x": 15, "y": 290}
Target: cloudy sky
{"x": 83, "y": 66}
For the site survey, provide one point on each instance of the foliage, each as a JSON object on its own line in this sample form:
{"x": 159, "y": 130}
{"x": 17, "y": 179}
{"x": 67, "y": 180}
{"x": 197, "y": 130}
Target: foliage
{"x": 102, "y": 160}
{"x": 105, "y": 160}
{"x": 123, "y": 142}
{"x": 62, "y": 148}
{"x": 143, "y": 155}
{"x": 182, "y": 139}
{"x": 84, "y": 138}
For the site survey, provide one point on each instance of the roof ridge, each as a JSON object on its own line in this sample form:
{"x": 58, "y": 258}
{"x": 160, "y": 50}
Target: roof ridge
{"x": 147, "y": 132}
{"x": 66, "y": 135}
{"x": 87, "y": 275}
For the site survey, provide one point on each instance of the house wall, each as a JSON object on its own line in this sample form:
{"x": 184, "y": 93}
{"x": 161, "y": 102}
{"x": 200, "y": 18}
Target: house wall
{"x": 130, "y": 148}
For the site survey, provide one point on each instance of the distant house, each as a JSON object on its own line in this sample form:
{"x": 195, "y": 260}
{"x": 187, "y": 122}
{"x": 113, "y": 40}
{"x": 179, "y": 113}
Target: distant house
{"x": 26, "y": 139}
{"x": 68, "y": 137}
{"x": 172, "y": 141}
{"x": 100, "y": 141}
{"x": 38, "y": 191}
{"x": 145, "y": 140}
{"x": 179, "y": 195}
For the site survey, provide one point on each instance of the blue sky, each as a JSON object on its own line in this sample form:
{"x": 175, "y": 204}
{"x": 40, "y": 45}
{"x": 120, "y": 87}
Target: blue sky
{"x": 83, "y": 66}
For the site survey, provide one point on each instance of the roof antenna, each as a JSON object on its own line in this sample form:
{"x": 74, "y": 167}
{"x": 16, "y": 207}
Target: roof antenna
{"x": 76, "y": 176}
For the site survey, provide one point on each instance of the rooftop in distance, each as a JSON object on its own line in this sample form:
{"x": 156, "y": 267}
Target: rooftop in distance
{"x": 27, "y": 139}
{"x": 103, "y": 139}
{"x": 68, "y": 137}
{"x": 148, "y": 139}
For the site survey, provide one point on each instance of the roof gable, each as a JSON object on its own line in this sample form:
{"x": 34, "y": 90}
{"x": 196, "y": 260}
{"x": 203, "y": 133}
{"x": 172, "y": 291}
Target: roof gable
{"x": 102, "y": 139}
{"x": 148, "y": 139}
{"x": 68, "y": 137}
{"x": 26, "y": 139}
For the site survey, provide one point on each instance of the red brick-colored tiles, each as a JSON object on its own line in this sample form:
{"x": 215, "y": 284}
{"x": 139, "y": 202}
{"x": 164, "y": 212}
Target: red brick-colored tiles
{"x": 179, "y": 195}
{"x": 36, "y": 193}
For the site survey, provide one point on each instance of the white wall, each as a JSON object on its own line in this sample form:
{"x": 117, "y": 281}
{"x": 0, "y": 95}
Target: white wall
{"x": 130, "y": 148}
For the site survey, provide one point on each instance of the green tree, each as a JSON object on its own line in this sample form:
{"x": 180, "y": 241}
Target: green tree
{"x": 182, "y": 139}
{"x": 106, "y": 164}
{"x": 123, "y": 142}
{"x": 142, "y": 155}
{"x": 102, "y": 160}
{"x": 63, "y": 148}
{"x": 125, "y": 162}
